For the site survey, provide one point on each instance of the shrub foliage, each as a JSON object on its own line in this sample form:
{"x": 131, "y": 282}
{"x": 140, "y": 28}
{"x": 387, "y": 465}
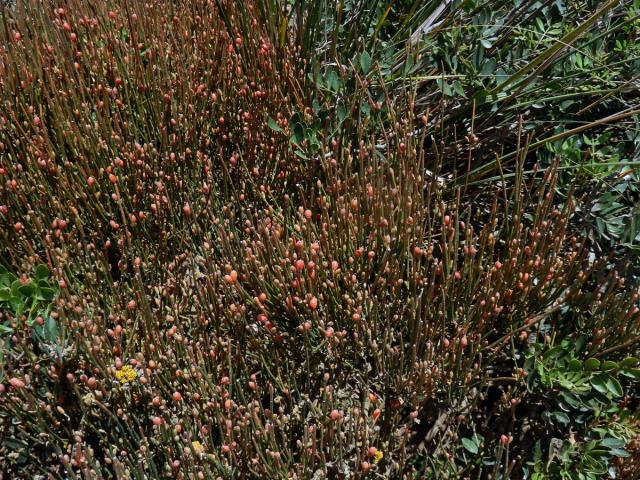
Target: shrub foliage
{"x": 301, "y": 240}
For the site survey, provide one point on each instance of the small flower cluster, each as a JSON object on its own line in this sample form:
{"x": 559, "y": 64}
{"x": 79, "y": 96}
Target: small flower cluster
{"x": 127, "y": 374}
{"x": 290, "y": 303}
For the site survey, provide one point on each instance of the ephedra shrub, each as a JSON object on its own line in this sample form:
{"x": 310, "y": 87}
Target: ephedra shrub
{"x": 186, "y": 293}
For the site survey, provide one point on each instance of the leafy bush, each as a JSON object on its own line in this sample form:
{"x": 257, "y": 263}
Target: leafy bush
{"x": 283, "y": 240}
{"x": 581, "y": 394}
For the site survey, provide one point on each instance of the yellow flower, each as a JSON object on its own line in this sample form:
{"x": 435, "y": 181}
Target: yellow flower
{"x": 197, "y": 447}
{"x": 126, "y": 374}
{"x": 378, "y": 456}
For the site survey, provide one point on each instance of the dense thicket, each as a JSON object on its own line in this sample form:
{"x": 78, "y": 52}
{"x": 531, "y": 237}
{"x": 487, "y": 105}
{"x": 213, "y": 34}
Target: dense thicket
{"x": 315, "y": 239}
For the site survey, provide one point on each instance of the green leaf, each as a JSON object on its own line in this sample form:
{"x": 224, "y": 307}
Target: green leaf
{"x": 50, "y": 331}
{"x": 365, "y": 62}
{"x": 42, "y": 272}
{"x": 15, "y": 288}
{"x": 333, "y": 81}
{"x": 273, "y": 125}
{"x": 561, "y": 417}
{"x": 28, "y": 290}
{"x": 599, "y": 382}
{"x": 488, "y": 67}
{"x": 408, "y": 65}
{"x": 570, "y": 399}
{"x": 611, "y": 442}
{"x": 342, "y": 112}
{"x": 633, "y": 373}
{"x": 14, "y": 443}
{"x": 613, "y": 385}
{"x": 47, "y": 293}
{"x": 618, "y": 452}
{"x": 7, "y": 278}
{"x": 629, "y": 362}
{"x": 470, "y": 445}
{"x": 575, "y": 365}
{"x": 17, "y": 305}
{"x": 445, "y": 87}
{"x": 457, "y": 86}
{"x": 297, "y": 136}
{"x": 5, "y": 294}
{"x": 591, "y": 364}
{"x": 609, "y": 365}
{"x": 365, "y": 109}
